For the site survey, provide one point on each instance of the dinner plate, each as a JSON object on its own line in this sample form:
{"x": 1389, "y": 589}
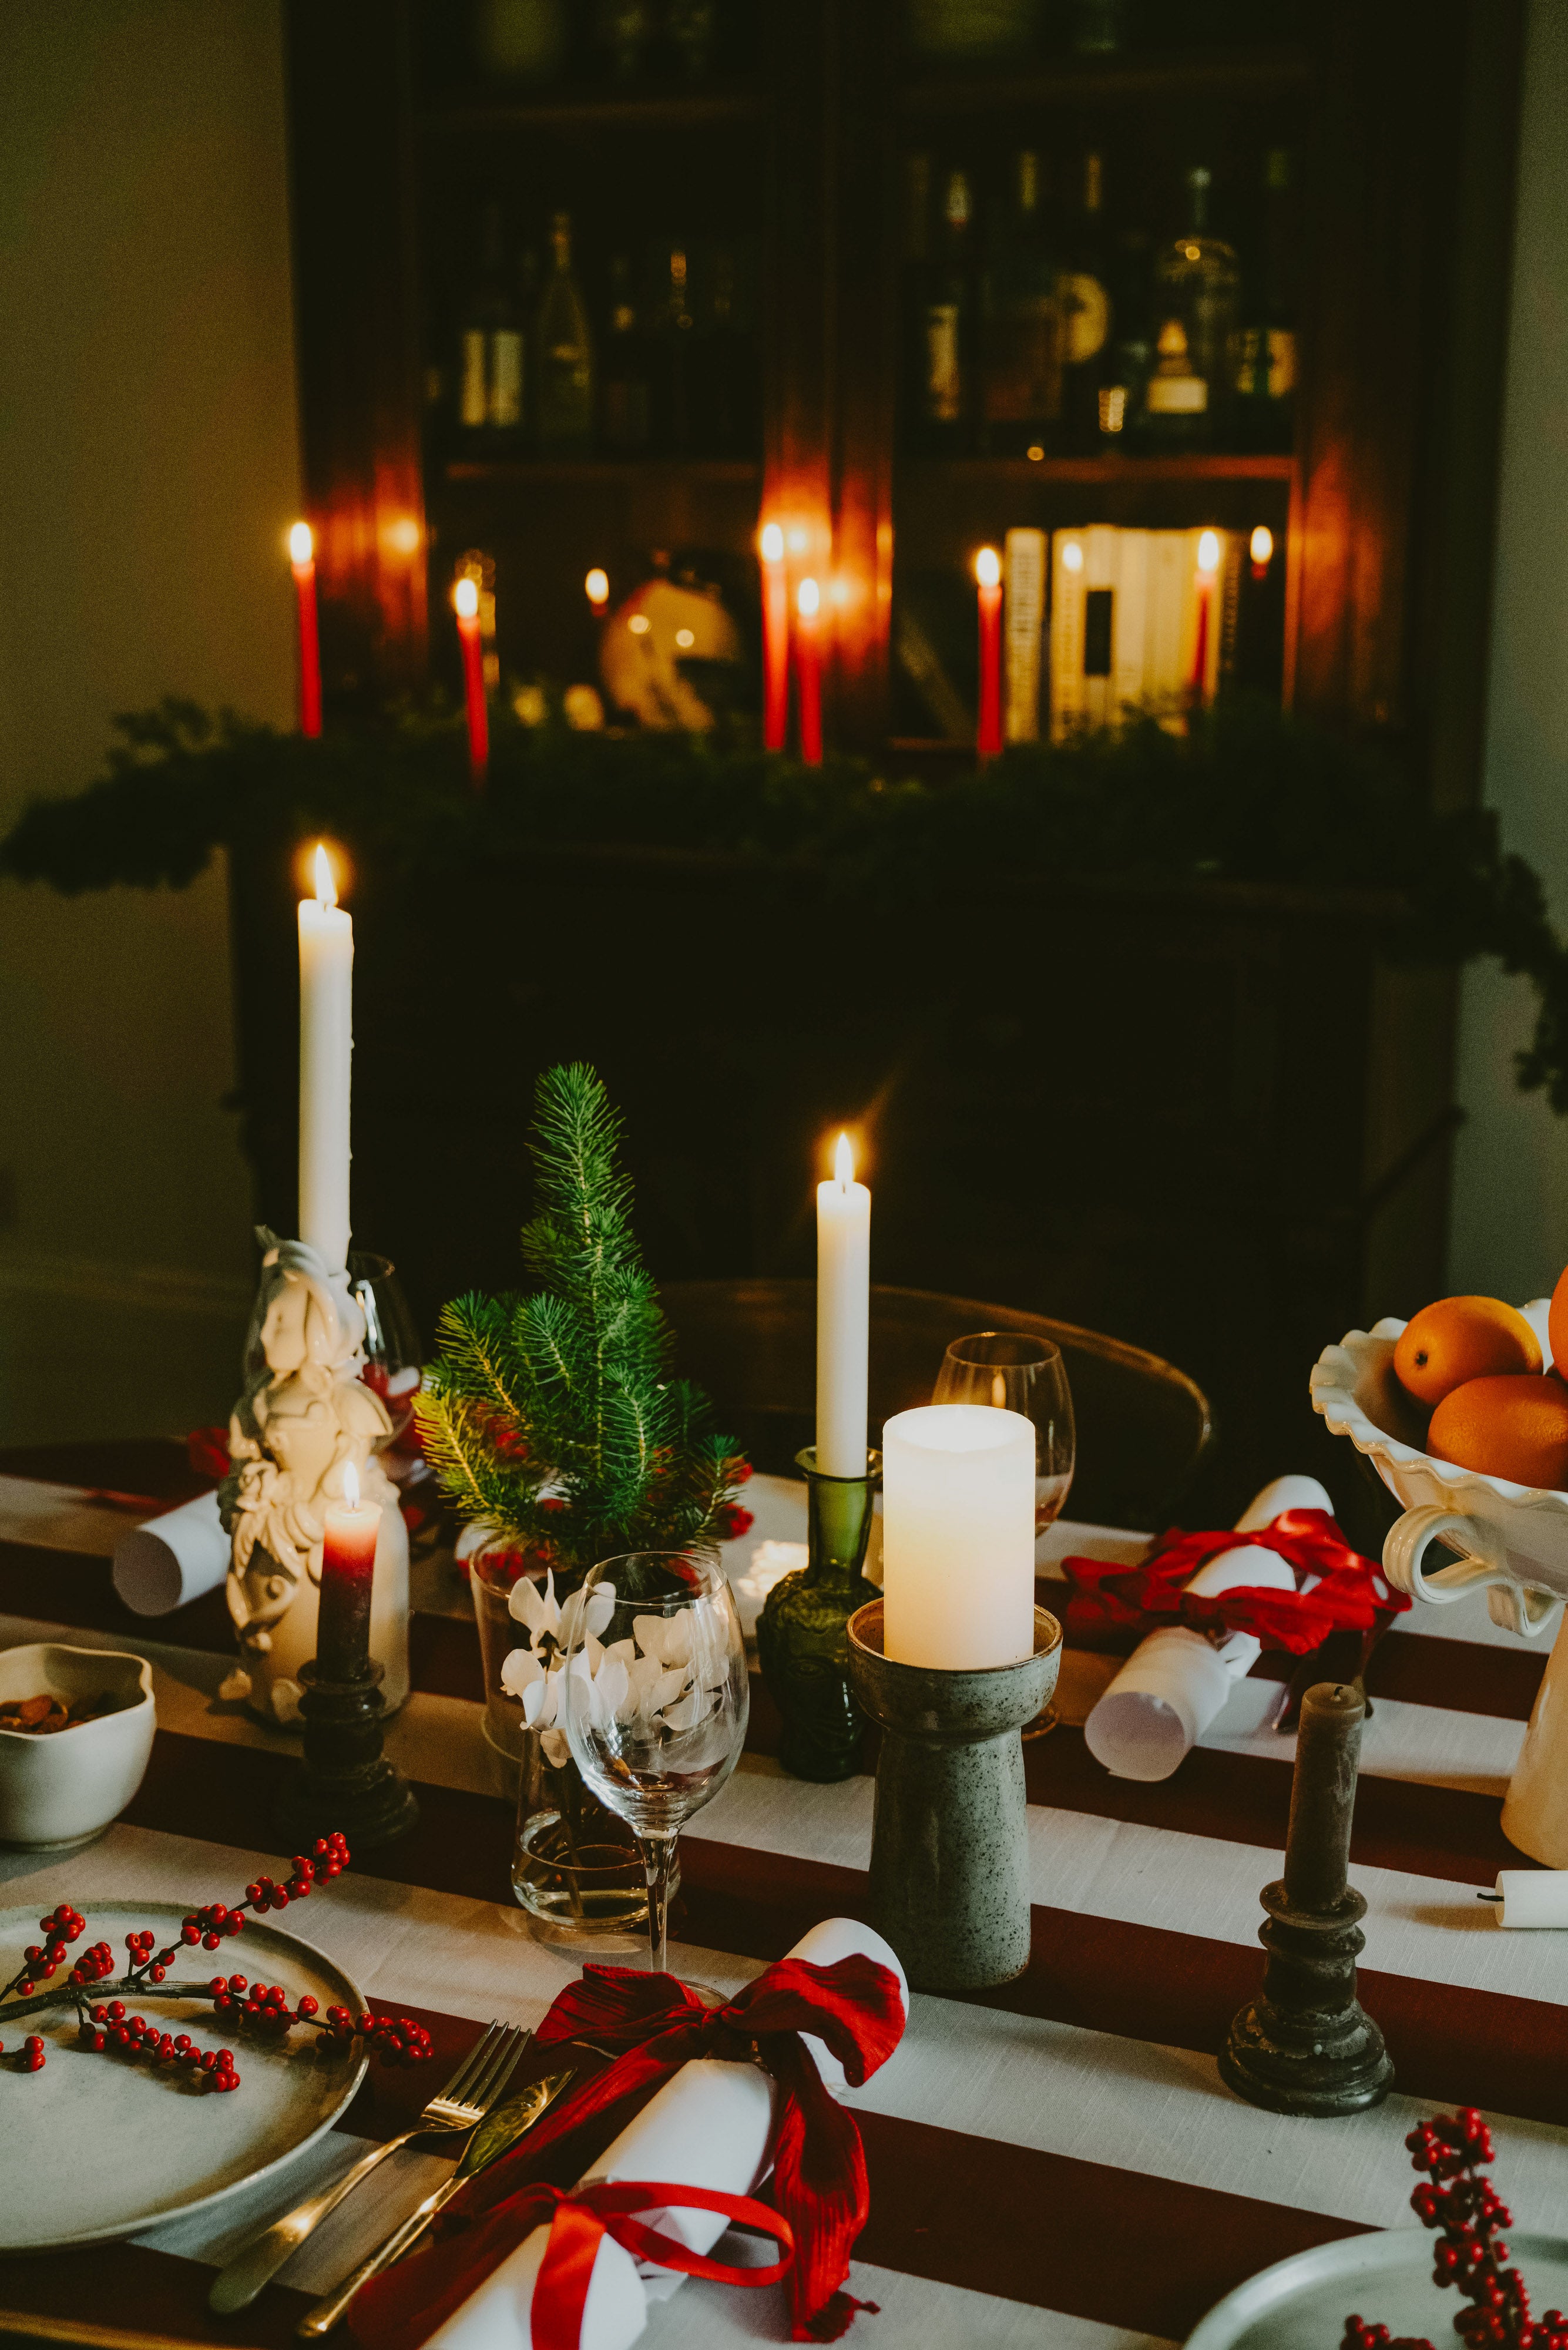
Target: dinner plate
{"x": 1386, "y": 2278}
{"x": 110, "y": 2144}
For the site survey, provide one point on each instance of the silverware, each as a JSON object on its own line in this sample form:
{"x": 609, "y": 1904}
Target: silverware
{"x": 475, "y": 2086}
{"x": 505, "y": 2127}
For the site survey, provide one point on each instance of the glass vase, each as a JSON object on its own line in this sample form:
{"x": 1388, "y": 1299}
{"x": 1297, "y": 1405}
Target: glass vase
{"x": 490, "y": 1575}
{"x": 575, "y": 1865}
{"x": 803, "y": 1642}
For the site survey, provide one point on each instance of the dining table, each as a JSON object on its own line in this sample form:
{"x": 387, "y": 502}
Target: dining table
{"x": 1052, "y": 2162}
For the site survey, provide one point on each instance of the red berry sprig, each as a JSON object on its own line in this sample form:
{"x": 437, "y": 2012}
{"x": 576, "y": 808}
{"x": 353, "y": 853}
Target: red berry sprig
{"x": 110, "y": 2029}
{"x": 42, "y": 1960}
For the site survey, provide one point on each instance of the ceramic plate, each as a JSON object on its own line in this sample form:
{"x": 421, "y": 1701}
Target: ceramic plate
{"x": 1386, "y": 2278}
{"x": 113, "y": 2146}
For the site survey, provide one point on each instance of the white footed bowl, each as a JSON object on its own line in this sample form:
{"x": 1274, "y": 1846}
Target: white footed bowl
{"x": 66, "y": 1788}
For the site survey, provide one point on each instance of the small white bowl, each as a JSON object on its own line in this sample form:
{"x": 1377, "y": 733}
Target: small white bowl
{"x": 66, "y": 1788}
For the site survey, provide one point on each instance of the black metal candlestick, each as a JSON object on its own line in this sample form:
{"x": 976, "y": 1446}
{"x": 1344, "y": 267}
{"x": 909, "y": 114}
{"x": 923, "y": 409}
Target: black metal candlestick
{"x": 1306, "y": 2045}
{"x": 345, "y": 1781}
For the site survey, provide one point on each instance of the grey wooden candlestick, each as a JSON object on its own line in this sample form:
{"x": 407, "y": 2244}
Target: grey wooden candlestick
{"x": 1306, "y": 2045}
{"x": 950, "y": 1848}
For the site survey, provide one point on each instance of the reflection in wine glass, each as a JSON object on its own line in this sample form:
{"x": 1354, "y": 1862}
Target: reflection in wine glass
{"x": 391, "y": 1342}
{"x": 1016, "y": 1372}
{"x": 656, "y": 1698}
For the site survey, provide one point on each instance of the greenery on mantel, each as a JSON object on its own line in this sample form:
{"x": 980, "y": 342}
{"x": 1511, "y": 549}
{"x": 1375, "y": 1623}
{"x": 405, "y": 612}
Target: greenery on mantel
{"x": 1247, "y": 796}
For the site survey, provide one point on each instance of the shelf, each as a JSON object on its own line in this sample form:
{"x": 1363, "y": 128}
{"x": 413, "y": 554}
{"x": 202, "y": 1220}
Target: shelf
{"x": 665, "y": 110}
{"x": 1189, "y": 466}
{"x": 1248, "y": 74}
{"x": 526, "y": 472}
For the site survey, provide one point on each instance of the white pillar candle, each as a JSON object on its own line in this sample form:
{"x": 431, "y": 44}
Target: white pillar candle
{"x": 326, "y": 1050}
{"x": 1532, "y": 1896}
{"x": 842, "y": 1318}
{"x": 958, "y": 1536}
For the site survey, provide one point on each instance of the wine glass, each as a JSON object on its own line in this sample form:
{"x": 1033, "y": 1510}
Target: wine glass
{"x": 656, "y": 1698}
{"x": 1016, "y": 1372}
{"x": 391, "y": 1342}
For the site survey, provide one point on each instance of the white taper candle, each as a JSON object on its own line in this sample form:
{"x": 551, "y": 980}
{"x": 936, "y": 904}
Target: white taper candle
{"x": 326, "y": 1052}
{"x": 842, "y": 1318}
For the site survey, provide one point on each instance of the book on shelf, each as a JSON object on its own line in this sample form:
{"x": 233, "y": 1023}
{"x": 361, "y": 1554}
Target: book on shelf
{"x": 1024, "y": 578}
{"x": 1138, "y": 619}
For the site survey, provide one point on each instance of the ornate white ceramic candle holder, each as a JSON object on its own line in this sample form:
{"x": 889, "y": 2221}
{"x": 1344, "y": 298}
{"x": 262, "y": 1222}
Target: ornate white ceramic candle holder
{"x": 305, "y": 1416}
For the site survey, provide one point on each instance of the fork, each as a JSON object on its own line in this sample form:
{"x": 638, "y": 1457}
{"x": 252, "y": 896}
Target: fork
{"x": 473, "y": 2088}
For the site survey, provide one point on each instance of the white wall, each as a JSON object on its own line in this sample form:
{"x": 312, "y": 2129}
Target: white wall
{"x": 1510, "y": 1227}
{"x": 148, "y": 469}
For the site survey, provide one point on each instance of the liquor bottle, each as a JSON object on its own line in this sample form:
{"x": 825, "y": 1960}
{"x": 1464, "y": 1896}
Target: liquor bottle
{"x": 1195, "y": 283}
{"x": 1021, "y": 327}
{"x": 626, "y": 394}
{"x": 564, "y": 394}
{"x": 490, "y": 344}
{"x": 1128, "y": 355}
{"x": 948, "y": 318}
{"x": 674, "y": 326}
{"x": 1085, "y": 312}
{"x": 1266, "y": 346}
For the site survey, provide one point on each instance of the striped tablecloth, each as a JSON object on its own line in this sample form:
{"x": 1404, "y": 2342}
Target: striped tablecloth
{"x": 1055, "y": 2162}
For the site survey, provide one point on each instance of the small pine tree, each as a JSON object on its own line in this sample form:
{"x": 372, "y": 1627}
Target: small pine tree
{"x": 553, "y": 1417}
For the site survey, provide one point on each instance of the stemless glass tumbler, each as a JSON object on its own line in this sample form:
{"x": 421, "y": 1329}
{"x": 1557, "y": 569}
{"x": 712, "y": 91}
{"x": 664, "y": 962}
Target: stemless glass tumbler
{"x": 656, "y": 1700}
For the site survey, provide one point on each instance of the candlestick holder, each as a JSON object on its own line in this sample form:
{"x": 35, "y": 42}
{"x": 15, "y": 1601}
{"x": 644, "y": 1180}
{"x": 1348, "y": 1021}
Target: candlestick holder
{"x": 949, "y": 1849}
{"x": 803, "y": 1643}
{"x": 345, "y": 1780}
{"x": 1306, "y": 2045}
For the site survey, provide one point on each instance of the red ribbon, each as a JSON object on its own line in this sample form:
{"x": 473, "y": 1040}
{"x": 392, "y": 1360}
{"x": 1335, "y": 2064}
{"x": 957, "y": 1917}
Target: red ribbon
{"x": 1337, "y": 1589}
{"x": 655, "y": 2025}
{"x": 581, "y": 2219}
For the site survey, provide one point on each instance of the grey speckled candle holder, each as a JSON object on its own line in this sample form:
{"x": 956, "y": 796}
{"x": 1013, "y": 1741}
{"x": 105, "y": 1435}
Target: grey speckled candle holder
{"x": 949, "y": 1852}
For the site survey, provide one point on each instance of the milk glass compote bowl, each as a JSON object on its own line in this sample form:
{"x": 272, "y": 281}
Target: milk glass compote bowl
{"x": 656, "y": 1700}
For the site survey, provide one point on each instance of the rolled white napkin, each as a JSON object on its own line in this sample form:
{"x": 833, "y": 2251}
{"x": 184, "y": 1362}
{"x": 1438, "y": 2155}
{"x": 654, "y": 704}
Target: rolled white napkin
{"x": 711, "y": 2125}
{"x": 1176, "y": 1682}
{"x": 170, "y": 1560}
{"x": 1532, "y": 1896}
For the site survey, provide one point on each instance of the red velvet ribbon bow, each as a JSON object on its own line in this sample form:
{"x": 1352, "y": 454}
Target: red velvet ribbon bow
{"x": 581, "y": 2221}
{"x": 1337, "y": 1589}
{"x": 655, "y": 2025}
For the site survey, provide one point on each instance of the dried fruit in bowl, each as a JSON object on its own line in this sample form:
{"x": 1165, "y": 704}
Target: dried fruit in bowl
{"x": 1461, "y": 1339}
{"x": 1557, "y": 1325}
{"x": 1506, "y": 1427}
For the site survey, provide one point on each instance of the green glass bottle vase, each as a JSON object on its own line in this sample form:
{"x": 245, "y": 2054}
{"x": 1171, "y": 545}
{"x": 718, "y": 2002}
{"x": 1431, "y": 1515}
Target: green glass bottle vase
{"x": 801, "y": 1642}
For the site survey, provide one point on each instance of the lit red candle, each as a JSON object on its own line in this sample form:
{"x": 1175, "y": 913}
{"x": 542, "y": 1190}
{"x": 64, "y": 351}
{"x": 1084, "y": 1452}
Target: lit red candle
{"x": 775, "y": 639}
{"x": 808, "y": 671}
{"x": 1261, "y": 549}
{"x": 465, "y": 604}
{"x": 1208, "y": 565}
{"x": 349, "y": 1528}
{"x": 302, "y": 558}
{"x": 988, "y": 578}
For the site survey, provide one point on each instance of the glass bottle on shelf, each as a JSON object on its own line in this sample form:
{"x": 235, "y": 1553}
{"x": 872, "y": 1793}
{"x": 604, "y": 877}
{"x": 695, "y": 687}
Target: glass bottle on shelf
{"x": 1085, "y": 312}
{"x": 1266, "y": 344}
{"x": 1196, "y": 286}
{"x": 1128, "y": 355}
{"x": 947, "y": 323}
{"x": 1020, "y": 326}
{"x": 490, "y": 344}
{"x": 564, "y": 412}
{"x": 674, "y": 325}
{"x": 625, "y": 395}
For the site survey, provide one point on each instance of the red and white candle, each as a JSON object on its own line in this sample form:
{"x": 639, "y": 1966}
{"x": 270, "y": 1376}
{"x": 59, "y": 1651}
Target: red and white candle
{"x": 465, "y": 604}
{"x": 1208, "y": 566}
{"x": 302, "y": 559}
{"x": 775, "y": 639}
{"x": 988, "y": 578}
{"x": 349, "y": 1531}
{"x": 808, "y": 671}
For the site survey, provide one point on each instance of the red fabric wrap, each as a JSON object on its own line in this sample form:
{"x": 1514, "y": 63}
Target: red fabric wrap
{"x": 1337, "y": 1589}
{"x": 653, "y": 2025}
{"x": 580, "y": 2221}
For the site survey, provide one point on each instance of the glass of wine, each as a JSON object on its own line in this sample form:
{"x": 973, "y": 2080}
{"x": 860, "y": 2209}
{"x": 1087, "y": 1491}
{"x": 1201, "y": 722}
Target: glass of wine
{"x": 656, "y": 1700}
{"x": 391, "y": 1342}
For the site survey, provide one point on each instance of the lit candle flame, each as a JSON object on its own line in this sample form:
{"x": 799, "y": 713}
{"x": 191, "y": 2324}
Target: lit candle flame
{"x": 326, "y": 880}
{"x": 1262, "y": 545}
{"x": 843, "y": 1163}
{"x": 301, "y": 543}
{"x": 987, "y": 567}
{"x": 1072, "y": 556}
{"x": 998, "y": 1391}
{"x": 596, "y": 588}
{"x": 771, "y": 543}
{"x": 465, "y": 599}
{"x": 350, "y": 1484}
{"x": 1209, "y": 551}
{"x": 808, "y": 596}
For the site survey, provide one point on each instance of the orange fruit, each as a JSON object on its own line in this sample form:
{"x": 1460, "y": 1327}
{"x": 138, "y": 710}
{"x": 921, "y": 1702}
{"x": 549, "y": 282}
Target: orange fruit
{"x": 1506, "y": 1427}
{"x": 1464, "y": 1338}
{"x": 1557, "y": 1325}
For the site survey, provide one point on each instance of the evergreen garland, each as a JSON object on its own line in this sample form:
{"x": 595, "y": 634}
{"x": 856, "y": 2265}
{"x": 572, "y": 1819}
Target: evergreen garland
{"x": 552, "y": 1417}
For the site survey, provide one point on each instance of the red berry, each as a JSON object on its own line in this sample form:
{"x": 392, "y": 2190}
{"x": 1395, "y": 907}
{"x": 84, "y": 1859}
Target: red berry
{"x": 307, "y": 2006}
{"x": 208, "y": 1942}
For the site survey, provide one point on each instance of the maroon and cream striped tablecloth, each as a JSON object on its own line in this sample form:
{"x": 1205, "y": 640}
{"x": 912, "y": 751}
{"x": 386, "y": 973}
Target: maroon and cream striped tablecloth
{"x": 1052, "y": 2163}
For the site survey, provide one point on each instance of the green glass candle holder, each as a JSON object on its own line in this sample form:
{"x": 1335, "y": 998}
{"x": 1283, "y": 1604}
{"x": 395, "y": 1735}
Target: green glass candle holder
{"x": 803, "y": 1643}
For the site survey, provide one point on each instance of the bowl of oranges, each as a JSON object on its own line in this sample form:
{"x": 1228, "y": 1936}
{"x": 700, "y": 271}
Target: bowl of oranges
{"x": 1463, "y": 1411}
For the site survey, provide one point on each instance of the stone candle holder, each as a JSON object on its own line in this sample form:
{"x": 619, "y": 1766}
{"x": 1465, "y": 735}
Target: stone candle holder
{"x": 950, "y": 1853}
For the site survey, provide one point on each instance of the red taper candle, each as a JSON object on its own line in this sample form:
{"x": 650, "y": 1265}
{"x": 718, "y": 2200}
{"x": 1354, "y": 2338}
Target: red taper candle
{"x": 988, "y": 576}
{"x": 775, "y": 639}
{"x": 808, "y": 671}
{"x": 465, "y": 604}
{"x": 349, "y": 1530}
{"x": 302, "y": 558}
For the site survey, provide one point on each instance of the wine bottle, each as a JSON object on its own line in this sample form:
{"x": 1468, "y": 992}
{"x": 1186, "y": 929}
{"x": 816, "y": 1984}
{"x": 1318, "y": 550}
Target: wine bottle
{"x": 1196, "y": 283}
{"x": 626, "y": 396}
{"x": 564, "y": 411}
{"x": 1128, "y": 355}
{"x": 948, "y": 326}
{"x": 1266, "y": 346}
{"x": 490, "y": 344}
{"x": 1021, "y": 327}
{"x": 674, "y": 325}
{"x": 1085, "y": 312}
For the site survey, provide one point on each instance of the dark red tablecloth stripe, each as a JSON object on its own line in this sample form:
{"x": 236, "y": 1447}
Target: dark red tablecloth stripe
{"x": 129, "y": 2286}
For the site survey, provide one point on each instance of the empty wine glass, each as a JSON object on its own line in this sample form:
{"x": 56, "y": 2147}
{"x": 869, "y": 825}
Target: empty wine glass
{"x": 391, "y": 1342}
{"x": 656, "y": 1698}
{"x": 1019, "y": 1373}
